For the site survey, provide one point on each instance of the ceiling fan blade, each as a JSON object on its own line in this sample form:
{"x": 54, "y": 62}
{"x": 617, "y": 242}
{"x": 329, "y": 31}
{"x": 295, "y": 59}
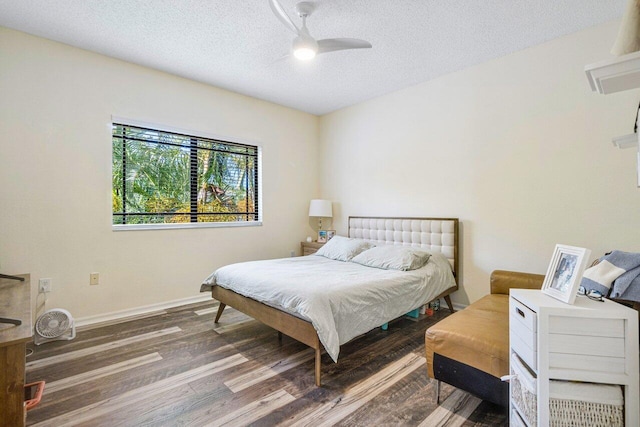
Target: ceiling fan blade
{"x": 282, "y": 16}
{"x": 331, "y": 45}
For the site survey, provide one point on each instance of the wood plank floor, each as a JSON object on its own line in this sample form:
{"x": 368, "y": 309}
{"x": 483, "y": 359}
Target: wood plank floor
{"x": 179, "y": 368}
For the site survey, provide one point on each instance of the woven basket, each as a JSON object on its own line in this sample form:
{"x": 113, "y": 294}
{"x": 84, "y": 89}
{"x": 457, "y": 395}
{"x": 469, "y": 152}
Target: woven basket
{"x": 525, "y": 401}
{"x": 524, "y": 390}
{"x": 562, "y": 412}
{"x": 567, "y": 413}
{"x": 570, "y": 413}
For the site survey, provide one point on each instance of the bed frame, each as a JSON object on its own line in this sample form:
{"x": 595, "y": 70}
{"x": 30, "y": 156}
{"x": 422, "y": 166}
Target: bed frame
{"x": 433, "y": 234}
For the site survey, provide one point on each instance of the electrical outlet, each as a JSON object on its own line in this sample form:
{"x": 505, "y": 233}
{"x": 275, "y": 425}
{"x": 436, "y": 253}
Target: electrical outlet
{"x": 293, "y": 253}
{"x": 44, "y": 285}
{"x": 94, "y": 278}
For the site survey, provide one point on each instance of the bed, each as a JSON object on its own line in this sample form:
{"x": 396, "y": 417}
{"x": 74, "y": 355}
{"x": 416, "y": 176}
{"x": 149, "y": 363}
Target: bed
{"x": 325, "y": 302}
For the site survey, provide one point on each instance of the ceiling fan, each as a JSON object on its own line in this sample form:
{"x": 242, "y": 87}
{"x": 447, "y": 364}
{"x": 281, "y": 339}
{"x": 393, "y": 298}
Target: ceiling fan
{"x": 304, "y": 46}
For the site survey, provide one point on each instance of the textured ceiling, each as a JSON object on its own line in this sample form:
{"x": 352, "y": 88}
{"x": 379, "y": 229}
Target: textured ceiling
{"x": 235, "y": 44}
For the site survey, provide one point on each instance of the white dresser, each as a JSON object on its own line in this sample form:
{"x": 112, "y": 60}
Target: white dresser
{"x": 590, "y": 341}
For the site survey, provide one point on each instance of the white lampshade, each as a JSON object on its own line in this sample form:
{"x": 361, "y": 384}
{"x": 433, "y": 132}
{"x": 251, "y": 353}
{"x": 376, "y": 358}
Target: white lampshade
{"x": 321, "y": 208}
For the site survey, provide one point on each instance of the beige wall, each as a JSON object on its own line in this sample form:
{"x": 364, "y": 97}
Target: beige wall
{"x": 518, "y": 148}
{"x": 56, "y": 104}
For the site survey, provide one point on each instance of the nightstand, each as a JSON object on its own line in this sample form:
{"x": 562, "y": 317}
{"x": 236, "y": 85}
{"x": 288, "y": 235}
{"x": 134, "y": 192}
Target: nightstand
{"x": 588, "y": 342}
{"x": 309, "y": 248}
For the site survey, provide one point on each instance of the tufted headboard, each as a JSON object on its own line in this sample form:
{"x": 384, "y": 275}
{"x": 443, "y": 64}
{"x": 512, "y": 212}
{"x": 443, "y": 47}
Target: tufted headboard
{"x": 432, "y": 234}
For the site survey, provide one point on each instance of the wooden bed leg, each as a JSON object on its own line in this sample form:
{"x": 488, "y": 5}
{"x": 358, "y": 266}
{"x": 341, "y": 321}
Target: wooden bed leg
{"x": 220, "y": 310}
{"x": 280, "y": 337}
{"x": 318, "y": 358}
{"x": 437, "y": 392}
{"x": 447, "y": 298}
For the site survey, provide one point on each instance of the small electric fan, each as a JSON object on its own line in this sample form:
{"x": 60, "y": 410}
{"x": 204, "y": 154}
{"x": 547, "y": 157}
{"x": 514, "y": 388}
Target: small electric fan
{"x": 54, "y": 325}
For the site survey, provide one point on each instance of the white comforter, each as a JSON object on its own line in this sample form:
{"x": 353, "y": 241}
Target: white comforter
{"x": 341, "y": 299}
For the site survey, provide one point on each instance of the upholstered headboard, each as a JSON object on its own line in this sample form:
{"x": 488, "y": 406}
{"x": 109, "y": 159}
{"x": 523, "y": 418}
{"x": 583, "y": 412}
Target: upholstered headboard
{"x": 432, "y": 234}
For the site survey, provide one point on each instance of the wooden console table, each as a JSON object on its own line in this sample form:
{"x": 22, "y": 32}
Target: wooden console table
{"x": 15, "y": 303}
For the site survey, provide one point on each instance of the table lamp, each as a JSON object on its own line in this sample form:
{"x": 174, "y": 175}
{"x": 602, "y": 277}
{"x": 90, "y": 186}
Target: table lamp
{"x": 320, "y": 209}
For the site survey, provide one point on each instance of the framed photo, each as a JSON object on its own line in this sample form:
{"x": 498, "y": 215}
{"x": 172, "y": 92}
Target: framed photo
{"x": 565, "y": 272}
{"x": 322, "y": 236}
{"x": 330, "y": 234}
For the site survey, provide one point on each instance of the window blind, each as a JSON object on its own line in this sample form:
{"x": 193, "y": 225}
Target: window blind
{"x": 168, "y": 177}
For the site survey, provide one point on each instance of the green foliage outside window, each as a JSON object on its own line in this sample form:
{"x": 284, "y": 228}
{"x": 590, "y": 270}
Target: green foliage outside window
{"x": 163, "y": 177}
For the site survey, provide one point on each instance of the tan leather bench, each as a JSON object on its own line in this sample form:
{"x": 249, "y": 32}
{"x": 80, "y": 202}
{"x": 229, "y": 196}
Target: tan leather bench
{"x": 470, "y": 348}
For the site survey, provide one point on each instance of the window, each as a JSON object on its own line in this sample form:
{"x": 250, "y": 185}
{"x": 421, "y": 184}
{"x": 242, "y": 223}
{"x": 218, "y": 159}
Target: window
{"x": 162, "y": 177}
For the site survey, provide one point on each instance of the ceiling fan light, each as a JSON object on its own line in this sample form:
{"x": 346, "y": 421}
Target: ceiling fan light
{"x": 304, "y": 54}
{"x": 304, "y": 49}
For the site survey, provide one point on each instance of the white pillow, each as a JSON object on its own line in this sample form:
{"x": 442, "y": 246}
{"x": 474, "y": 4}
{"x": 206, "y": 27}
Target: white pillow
{"x": 393, "y": 258}
{"x": 343, "y": 248}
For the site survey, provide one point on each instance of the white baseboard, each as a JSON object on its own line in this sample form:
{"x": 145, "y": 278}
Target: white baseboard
{"x": 138, "y": 312}
{"x": 458, "y": 307}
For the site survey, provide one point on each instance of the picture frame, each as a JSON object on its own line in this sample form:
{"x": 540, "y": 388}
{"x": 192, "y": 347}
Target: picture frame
{"x": 330, "y": 234}
{"x": 322, "y": 236}
{"x": 565, "y": 272}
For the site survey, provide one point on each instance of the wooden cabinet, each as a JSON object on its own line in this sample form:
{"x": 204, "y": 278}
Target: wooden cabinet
{"x": 589, "y": 342}
{"x": 308, "y": 248}
{"x": 15, "y": 303}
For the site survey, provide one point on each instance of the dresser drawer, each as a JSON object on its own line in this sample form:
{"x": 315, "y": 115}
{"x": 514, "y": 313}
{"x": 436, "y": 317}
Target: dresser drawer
{"x": 523, "y": 338}
{"x": 528, "y": 354}
{"x": 523, "y": 313}
{"x": 520, "y": 329}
